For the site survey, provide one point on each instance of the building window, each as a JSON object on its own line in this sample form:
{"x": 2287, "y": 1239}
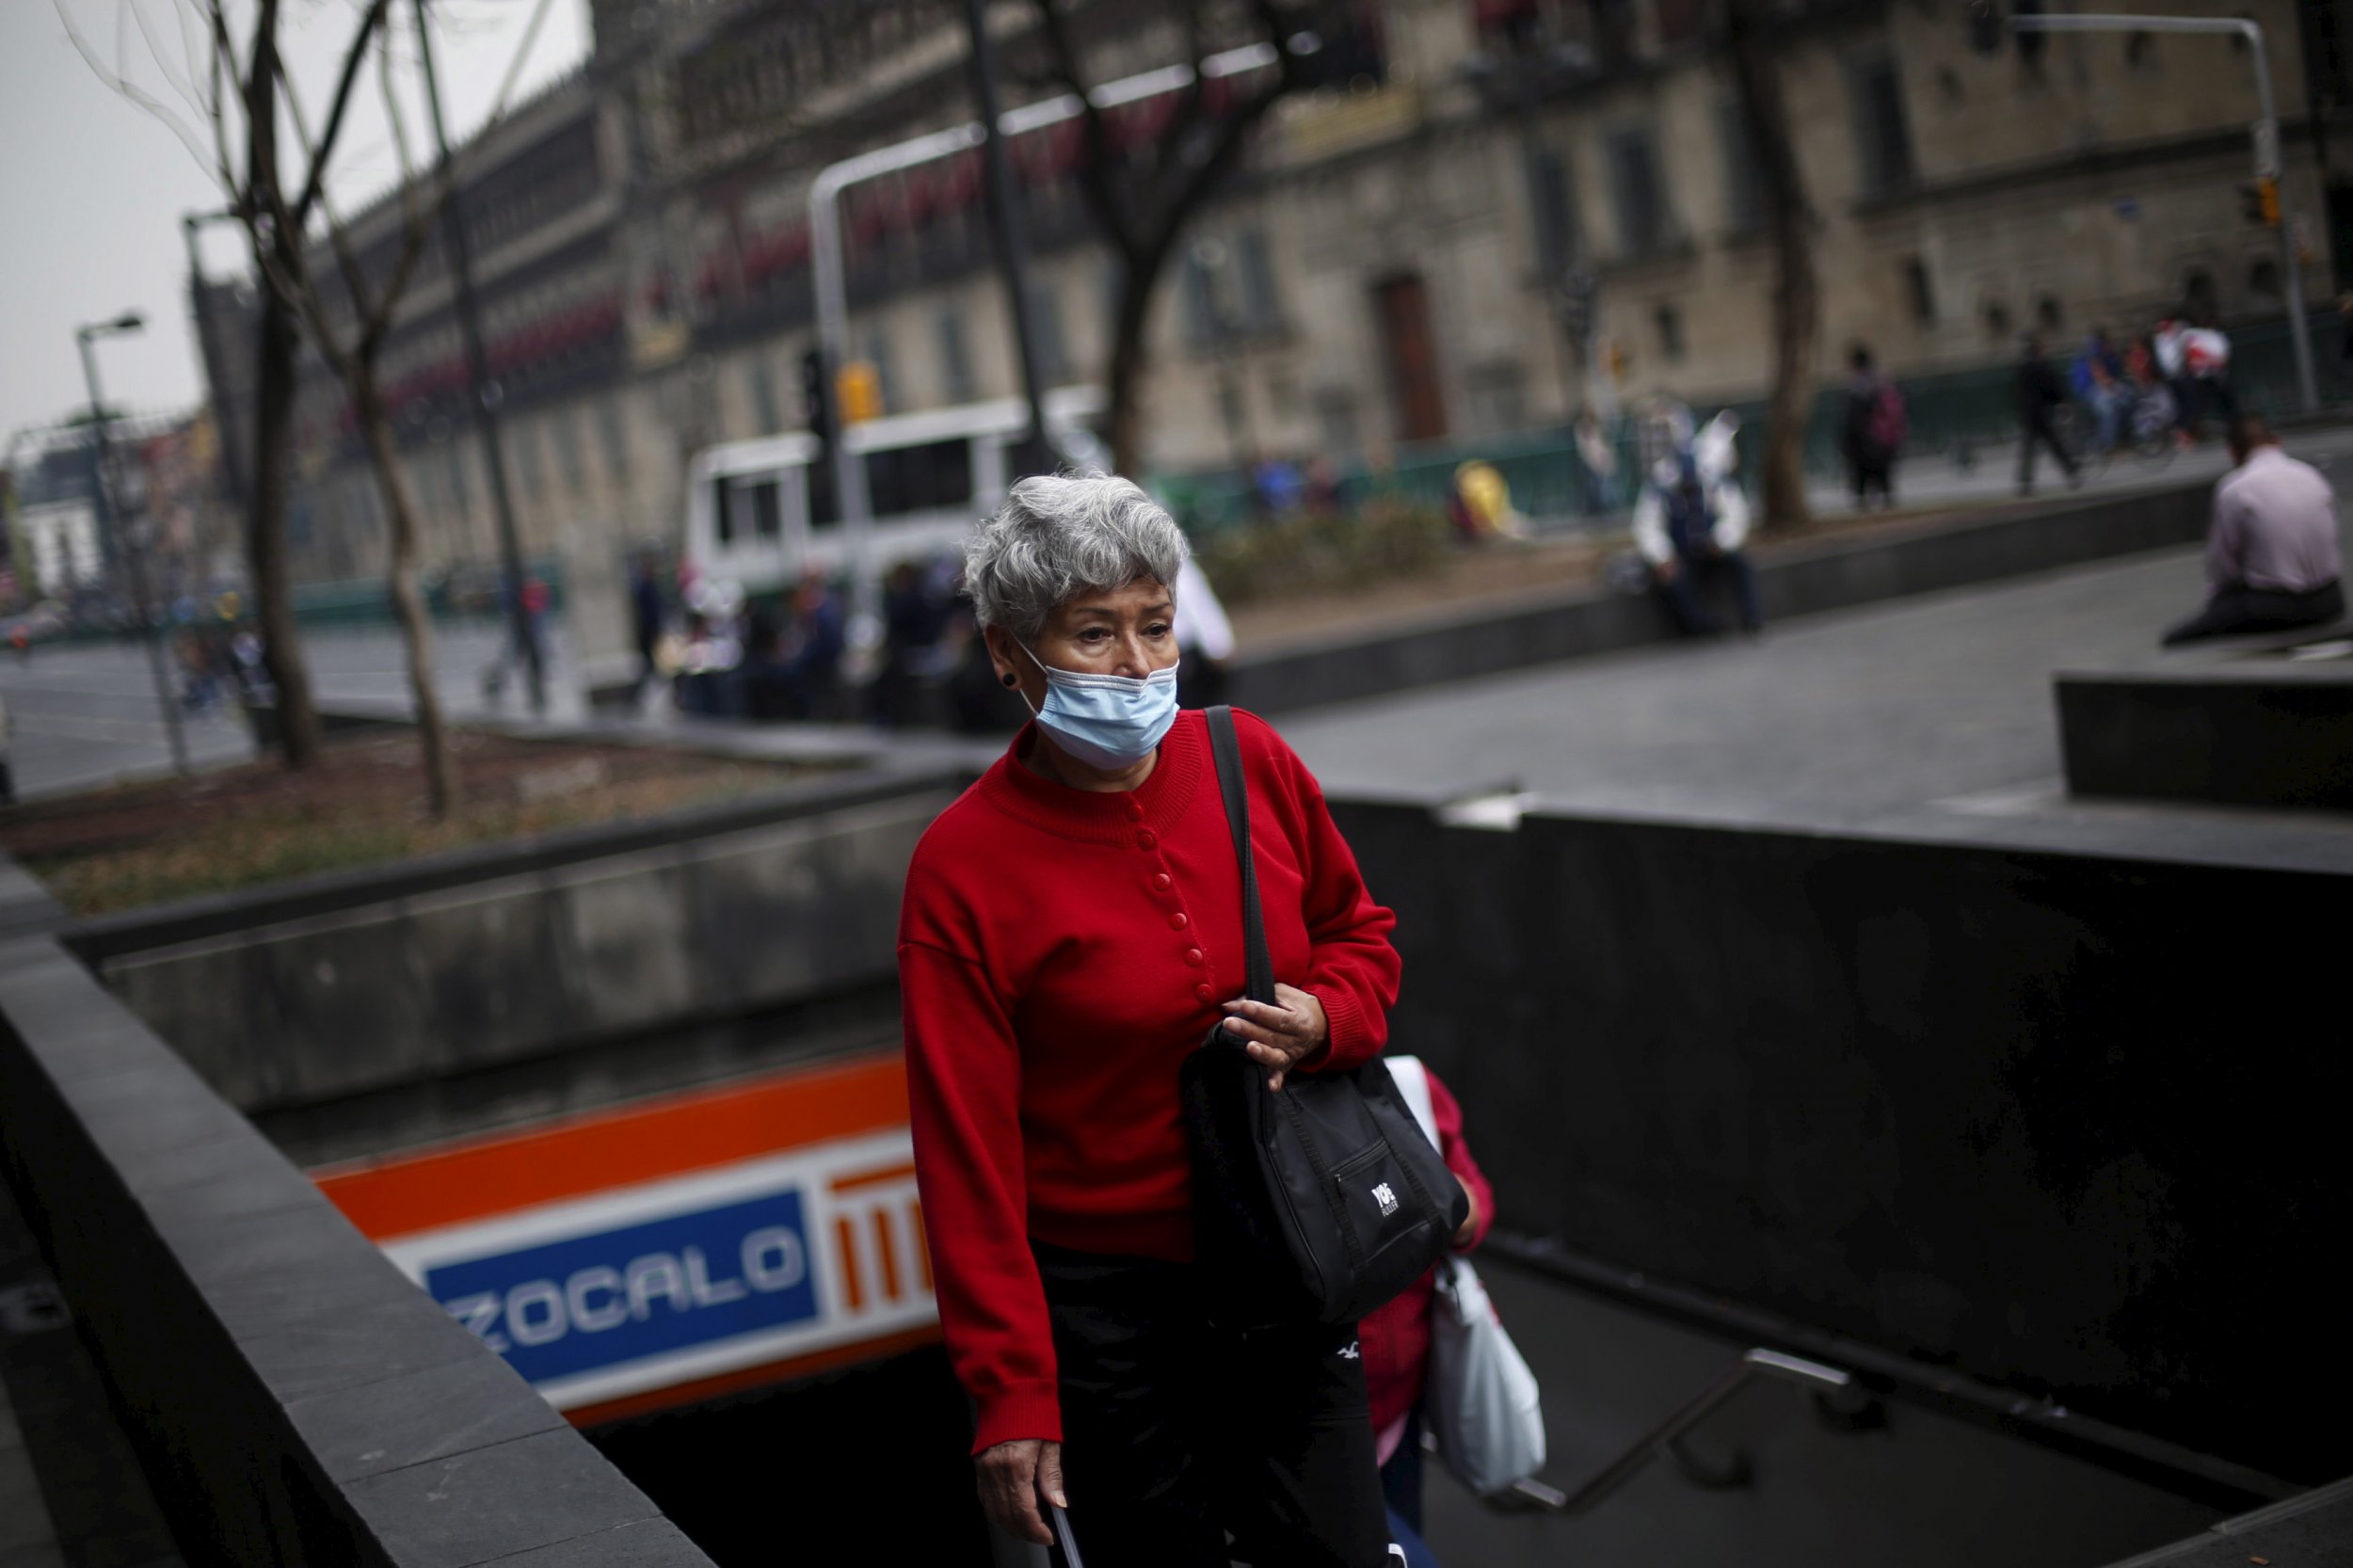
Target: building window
{"x": 1634, "y": 190}
{"x": 1744, "y": 193}
{"x": 2046, "y": 315}
{"x": 612, "y": 438}
{"x": 1498, "y": 395}
{"x": 1670, "y": 323}
{"x": 1553, "y": 211}
{"x": 1261, "y": 303}
{"x": 2262, "y": 278}
{"x": 767, "y": 417}
{"x": 1198, "y": 295}
{"x": 1882, "y": 137}
{"x": 565, "y": 435}
{"x": 1054, "y": 352}
{"x": 955, "y": 358}
{"x": 528, "y": 476}
{"x": 1919, "y": 290}
{"x": 1997, "y": 320}
{"x": 878, "y": 355}
{"x": 1335, "y": 419}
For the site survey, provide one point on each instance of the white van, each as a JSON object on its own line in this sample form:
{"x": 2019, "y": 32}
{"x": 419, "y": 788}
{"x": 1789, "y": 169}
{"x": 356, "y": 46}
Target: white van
{"x": 759, "y": 513}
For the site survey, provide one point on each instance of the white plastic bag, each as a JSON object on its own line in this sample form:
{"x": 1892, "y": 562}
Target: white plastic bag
{"x": 1480, "y": 1399}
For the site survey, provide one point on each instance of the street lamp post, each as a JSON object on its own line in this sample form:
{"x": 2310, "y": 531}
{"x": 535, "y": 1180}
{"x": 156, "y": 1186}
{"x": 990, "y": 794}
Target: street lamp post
{"x": 484, "y": 389}
{"x": 134, "y": 553}
{"x": 2267, "y": 144}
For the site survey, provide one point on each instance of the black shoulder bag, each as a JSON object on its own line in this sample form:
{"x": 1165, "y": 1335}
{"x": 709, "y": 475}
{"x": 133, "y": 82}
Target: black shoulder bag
{"x": 1322, "y": 1200}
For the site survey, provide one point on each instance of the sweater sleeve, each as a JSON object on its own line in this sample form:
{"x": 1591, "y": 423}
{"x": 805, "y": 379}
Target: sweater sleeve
{"x": 1456, "y": 1152}
{"x": 1352, "y": 969}
{"x": 963, "y": 1084}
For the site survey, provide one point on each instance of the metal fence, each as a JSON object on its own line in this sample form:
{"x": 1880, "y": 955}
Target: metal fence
{"x": 1955, "y": 417}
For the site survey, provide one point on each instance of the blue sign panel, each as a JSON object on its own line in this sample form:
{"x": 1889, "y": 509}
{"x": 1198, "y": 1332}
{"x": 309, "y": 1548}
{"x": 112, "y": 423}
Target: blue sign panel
{"x": 612, "y": 1296}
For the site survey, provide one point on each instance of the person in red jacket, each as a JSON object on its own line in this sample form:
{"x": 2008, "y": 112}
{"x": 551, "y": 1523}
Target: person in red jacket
{"x": 1395, "y": 1338}
{"x": 1071, "y": 930}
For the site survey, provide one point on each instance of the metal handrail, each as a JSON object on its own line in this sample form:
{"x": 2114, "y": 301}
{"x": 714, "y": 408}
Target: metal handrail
{"x": 1666, "y": 1437}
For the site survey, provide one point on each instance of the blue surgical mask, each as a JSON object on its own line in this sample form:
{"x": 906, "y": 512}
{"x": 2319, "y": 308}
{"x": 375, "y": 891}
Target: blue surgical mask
{"x": 1110, "y": 722}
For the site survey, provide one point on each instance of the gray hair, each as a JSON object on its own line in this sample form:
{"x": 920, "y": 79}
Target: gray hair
{"x": 1062, "y": 535}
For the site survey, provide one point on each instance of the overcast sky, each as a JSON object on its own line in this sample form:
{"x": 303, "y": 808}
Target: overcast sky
{"x": 92, "y": 188}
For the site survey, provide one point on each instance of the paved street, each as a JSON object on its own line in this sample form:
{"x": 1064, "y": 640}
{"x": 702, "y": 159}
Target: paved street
{"x": 1844, "y": 717}
{"x": 1936, "y": 697}
{"x": 86, "y": 715}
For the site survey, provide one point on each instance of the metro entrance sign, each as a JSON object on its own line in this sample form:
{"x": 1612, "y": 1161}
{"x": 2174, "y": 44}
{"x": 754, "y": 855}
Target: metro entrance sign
{"x": 671, "y": 1249}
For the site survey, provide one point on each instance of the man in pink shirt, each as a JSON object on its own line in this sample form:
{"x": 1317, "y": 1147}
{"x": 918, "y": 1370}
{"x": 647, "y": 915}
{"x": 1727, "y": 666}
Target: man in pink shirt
{"x": 2272, "y": 555}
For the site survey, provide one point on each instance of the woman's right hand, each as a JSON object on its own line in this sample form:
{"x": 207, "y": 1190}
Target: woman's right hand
{"x": 1012, "y": 1477}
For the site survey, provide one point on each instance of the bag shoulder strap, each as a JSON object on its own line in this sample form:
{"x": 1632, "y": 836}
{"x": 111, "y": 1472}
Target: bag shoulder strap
{"x": 1226, "y": 747}
{"x": 1412, "y": 1082}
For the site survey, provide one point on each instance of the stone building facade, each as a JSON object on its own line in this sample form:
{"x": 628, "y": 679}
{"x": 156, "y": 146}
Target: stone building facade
{"x": 1386, "y": 268}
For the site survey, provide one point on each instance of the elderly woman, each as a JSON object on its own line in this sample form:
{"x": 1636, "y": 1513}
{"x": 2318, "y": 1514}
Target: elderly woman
{"x": 1072, "y": 929}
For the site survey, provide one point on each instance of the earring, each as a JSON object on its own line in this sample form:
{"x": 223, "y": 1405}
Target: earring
{"x": 1010, "y": 680}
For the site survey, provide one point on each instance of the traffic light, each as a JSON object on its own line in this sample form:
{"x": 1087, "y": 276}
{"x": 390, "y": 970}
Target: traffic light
{"x": 2260, "y": 203}
{"x": 857, "y": 392}
{"x": 816, "y": 399}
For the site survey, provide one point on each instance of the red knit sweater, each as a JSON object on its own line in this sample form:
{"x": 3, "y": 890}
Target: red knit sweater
{"x": 1061, "y": 952}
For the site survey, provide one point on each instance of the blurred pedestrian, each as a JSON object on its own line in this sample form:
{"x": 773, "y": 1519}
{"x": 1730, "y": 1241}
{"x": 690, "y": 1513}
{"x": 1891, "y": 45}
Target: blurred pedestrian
{"x": 526, "y": 642}
{"x": 2040, "y": 395}
{"x": 2272, "y": 557}
{"x": 645, "y": 613}
{"x": 1688, "y": 527}
{"x": 1396, "y": 1338}
{"x": 1205, "y": 639}
{"x": 2098, "y": 380}
{"x": 813, "y": 659}
{"x": 913, "y": 623}
{"x": 1874, "y": 430}
{"x": 1596, "y": 457}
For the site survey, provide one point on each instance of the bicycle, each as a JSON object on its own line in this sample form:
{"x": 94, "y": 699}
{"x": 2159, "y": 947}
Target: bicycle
{"x": 2144, "y": 428}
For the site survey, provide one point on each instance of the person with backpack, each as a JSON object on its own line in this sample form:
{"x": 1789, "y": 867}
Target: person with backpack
{"x": 2039, "y": 392}
{"x": 1876, "y": 426}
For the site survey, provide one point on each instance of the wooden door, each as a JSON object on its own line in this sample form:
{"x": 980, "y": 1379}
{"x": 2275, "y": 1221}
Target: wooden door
{"x": 1412, "y": 354}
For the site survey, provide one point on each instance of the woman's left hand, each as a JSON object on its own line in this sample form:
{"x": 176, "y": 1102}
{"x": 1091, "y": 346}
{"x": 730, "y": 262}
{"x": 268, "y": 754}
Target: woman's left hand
{"x": 1279, "y": 1035}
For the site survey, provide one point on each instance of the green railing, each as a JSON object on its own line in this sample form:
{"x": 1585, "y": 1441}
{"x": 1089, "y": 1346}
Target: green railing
{"x": 465, "y": 593}
{"x": 1955, "y": 416}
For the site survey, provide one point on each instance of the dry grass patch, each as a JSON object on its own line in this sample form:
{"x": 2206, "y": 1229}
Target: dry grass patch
{"x": 362, "y": 805}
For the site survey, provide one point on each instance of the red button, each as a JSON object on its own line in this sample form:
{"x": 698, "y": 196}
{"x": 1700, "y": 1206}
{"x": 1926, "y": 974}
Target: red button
{"x": 1177, "y": 923}
{"x": 1146, "y": 839}
{"x": 1204, "y": 992}
{"x": 1160, "y": 882}
{"x": 1135, "y": 812}
{"x": 1192, "y": 955}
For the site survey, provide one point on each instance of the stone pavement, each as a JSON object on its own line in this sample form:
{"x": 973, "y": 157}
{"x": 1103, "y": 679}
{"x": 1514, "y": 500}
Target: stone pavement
{"x": 1887, "y": 715}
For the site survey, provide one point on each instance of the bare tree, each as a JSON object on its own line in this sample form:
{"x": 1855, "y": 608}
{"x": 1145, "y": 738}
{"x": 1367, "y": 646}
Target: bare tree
{"x": 350, "y": 316}
{"x": 351, "y": 340}
{"x": 1796, "y": 300}
{"x": 239, "y": 106}
{"x": 1143, "y": 198}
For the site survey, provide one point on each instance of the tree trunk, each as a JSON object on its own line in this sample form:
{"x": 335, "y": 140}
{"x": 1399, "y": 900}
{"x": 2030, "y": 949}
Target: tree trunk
{"x": 1797, "y": 301}
{"x": 1131, "y": 353}
{"x": 416, "y": 627}
{"x": 265, "y": 531}
{"x": 1123, "y": 384}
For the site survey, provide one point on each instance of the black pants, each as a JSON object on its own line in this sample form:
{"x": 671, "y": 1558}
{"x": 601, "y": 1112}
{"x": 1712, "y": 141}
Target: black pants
{"x": 1400, "y": 1477}
{"x": 1176, "y": 1431}
{"x": 1872, "y": 472}
{"x": 2038, "y": 431}
{"x": 1694, "y": 576}
{"x": 2239, "y": 608}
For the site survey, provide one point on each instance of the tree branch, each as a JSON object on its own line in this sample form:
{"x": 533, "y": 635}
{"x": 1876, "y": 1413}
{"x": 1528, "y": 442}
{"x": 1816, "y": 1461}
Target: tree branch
{"x": 353, "y": 62}
{"x": 1103, "y": 192}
